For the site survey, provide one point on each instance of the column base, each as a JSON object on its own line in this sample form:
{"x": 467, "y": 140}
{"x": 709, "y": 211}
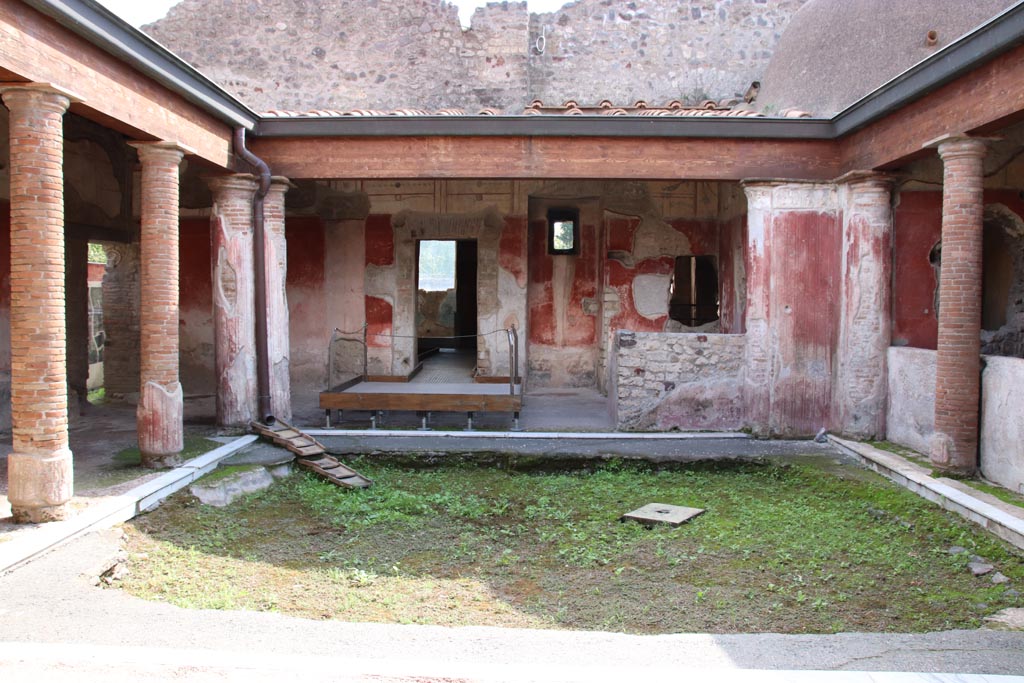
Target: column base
{"x": 943, "y": 454}
{"x": 161, "y": 425}
{"x": 40, "y": 486}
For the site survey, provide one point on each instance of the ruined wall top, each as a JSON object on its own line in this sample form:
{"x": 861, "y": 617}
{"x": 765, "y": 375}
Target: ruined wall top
{"x": 388, "y": 54}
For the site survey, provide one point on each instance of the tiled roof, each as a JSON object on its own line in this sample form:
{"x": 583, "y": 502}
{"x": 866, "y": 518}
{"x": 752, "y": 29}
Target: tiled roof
{"x": 708, "y": 108}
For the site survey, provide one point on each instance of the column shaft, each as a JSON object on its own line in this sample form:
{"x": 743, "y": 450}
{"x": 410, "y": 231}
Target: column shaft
{"x": 277, "y": 299}
{"x": 758, "y": 353}
{"x": 40, "y": 478}
{"x": 865, "y": 326}
{"x": 234, "y": 299}
{"x": 958, "y": 359}
{"x": 161, "y": 407}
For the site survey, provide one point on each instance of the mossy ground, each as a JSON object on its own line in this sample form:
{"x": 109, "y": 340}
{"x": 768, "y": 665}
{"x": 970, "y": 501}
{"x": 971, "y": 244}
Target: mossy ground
{"x": 804, "y": 547}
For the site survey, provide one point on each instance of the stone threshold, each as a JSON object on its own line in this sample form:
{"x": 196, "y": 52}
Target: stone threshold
{"x": 606, "y": 436}
{"x": 32, "y": 542}
{"x": 1002, "y": 519}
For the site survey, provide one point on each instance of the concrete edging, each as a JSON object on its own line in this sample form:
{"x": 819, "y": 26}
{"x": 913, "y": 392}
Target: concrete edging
{"x": 119, "y": 509}
{"x": 625, "y": 436}
{"x": 914, "y": 478}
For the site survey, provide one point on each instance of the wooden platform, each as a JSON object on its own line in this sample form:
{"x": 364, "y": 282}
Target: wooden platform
{"x": 452, "y": 397}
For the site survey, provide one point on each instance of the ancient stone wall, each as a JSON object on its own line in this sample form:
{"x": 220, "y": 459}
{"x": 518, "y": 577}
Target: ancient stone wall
{"x": 911, "y": 414}
{"x": 389, "y": 54}
{"x": 679, "y": 381}
{"x": 1002, "y": 422}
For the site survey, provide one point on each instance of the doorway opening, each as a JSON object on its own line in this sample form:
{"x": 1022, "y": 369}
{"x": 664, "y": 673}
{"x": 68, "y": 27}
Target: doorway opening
{"x": 446, "y": 309}
{"x": 694, "y": 292}
{"x": 97, "y": 265}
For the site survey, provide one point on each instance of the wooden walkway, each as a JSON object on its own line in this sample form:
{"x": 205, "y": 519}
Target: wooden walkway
{"x": 445, "y": 384}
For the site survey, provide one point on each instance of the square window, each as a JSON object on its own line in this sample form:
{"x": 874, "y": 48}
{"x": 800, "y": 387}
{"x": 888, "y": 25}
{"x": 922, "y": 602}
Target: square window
{"x": 563, "y": 231}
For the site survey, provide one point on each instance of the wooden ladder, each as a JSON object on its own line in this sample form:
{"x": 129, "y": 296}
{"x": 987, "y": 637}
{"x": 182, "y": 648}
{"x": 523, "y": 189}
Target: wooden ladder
{"x": 311, "y": 454}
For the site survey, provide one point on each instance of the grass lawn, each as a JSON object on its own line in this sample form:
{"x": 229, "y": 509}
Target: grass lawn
{"x": 126, "y": 465}
{"x": 805, "y": 547}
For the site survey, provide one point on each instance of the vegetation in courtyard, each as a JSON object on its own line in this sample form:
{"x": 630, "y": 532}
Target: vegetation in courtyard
{"x": 806, "y": 547}
{"x": 126, "y": 464}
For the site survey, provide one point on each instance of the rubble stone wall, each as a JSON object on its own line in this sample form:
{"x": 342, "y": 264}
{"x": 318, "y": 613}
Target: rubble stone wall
{"x": 669, "y": 381}
{"x": 389, "y": 54}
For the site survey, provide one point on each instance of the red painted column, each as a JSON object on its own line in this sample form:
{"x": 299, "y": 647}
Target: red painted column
{"x": 865, "y": 324}
{"x": 159, "y": 417}
{"x": 277, "y": 298}
{"x": 234, "y": 299}
{"x": 39, "y": 470}
{"x": 958, "y": 357}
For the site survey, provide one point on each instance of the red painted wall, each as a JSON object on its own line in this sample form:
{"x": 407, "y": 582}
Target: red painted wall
{"x": 511, "y": 248}
{"x": 917, "y": 227}
{"x": 576, "y": 329}
{"x": 804, "y": 313}
{"x": 380, "y": 240}
{"x": 196, "y": 333}
{"x": 619, "y": 276}
{"x": 731, "y": 247}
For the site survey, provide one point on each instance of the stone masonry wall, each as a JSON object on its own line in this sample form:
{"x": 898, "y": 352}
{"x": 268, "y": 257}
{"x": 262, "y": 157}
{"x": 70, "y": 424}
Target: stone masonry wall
{"x": 679, "y": 381}
{"x": 388, "y": 54}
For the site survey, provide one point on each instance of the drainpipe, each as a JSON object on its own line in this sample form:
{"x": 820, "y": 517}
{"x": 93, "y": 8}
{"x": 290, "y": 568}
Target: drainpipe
{"x": 260, "y": 268}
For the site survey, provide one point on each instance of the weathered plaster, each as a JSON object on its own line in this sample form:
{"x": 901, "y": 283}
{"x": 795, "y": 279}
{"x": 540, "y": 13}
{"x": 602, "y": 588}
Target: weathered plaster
{"x": 910, "y": 417}
{"x": 1002, "y": 422}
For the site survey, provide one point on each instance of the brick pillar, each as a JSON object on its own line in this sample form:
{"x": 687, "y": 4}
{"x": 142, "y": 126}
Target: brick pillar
{"x": 160, "y": 409}
{"x": 233, "y": 299}
{"x": 958, "y": 359}
{"x": 277, "y": 298}
{"x": 40, "y": 467}
{"x": 865, "y": 324}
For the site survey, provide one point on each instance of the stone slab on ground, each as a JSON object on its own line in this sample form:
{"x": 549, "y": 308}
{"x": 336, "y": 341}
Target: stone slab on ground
{"x": 662, "y": 513}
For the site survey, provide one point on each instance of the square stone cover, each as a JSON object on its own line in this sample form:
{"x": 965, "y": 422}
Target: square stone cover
{"x": 662, "y": 513}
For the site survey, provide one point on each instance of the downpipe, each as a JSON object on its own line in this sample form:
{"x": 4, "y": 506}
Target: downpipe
{"x": 260, "y": 274}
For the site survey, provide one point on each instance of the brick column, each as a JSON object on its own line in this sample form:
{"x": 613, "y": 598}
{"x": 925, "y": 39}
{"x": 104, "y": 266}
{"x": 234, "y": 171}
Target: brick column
{"x": 233, "y": 299}
{"x": 160, "y": 410}
{"x": 958, "y": 359}
{"x": 865, "y": 324}
{"x": 277, "y": 298}
{"x": 39, "y": 469}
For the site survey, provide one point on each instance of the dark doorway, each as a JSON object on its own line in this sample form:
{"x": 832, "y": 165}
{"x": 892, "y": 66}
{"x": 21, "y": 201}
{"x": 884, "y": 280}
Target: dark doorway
{"x": 694, "y": 296}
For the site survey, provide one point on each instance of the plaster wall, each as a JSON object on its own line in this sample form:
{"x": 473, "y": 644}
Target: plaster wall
{"x": 667, "y": 381}
{"x": 910, "y": 417}
{"x": 1002, "y": 422}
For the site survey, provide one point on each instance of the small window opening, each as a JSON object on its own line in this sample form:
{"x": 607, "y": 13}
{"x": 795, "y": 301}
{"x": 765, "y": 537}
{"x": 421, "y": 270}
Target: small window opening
{"x": 563, "y": 231}
{"x": 694, "y": 291}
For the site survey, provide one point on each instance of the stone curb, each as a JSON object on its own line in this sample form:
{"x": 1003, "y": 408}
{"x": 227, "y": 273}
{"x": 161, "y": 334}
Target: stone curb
{"x": 119, "y": 509}
{"x": 916, "y": 479}
{"x": 606, "y": 436}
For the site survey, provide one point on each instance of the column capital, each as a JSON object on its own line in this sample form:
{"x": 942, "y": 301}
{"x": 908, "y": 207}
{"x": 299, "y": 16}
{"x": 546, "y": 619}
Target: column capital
{"x": 280, "y": 184}
{"x": 42, "y": 95}
{"x": 240, "y": 183}
{"x": 160, "y": 150}
{"x": 960, "y": 145}
{"x": 866, "y": 179}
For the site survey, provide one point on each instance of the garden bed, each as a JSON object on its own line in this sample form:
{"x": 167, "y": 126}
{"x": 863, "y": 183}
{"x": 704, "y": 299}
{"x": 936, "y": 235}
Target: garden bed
{"x": 809, "y": 546}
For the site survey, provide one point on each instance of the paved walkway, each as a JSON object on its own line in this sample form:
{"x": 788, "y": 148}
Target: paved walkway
{"x": 58, "y": 626}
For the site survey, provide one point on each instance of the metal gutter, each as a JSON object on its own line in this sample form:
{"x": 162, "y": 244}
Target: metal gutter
{"x": 104, "y": 29}
{"x": 1000, "y": 34}
{"x": 545, "y": 126}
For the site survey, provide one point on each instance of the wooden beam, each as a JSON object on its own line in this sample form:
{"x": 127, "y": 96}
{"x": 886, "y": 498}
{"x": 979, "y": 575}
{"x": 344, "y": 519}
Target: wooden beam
{"x": 37, "y": 49}
{"x": 549, "y": 157}
{"x": 981, "y": 101}
{"x": 456, "y": 403}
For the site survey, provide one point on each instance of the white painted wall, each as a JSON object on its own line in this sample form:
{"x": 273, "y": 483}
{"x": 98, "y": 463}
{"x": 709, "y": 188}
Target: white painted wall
{"x": 1002, "y": 422}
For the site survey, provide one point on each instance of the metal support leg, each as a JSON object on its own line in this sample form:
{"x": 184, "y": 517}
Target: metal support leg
{"x": 373, "y": 419}
{"x": 469, "y": 421}
{"x": 327, "y": 419}
{"x": 515, "y": 422}
{"x": 422, "y": 414}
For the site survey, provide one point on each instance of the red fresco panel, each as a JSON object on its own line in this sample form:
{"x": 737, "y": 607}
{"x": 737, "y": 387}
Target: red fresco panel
{"x": 805, "y": 312}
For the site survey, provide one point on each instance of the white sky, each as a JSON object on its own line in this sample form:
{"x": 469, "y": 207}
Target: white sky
{"x": 139, "y": 12}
